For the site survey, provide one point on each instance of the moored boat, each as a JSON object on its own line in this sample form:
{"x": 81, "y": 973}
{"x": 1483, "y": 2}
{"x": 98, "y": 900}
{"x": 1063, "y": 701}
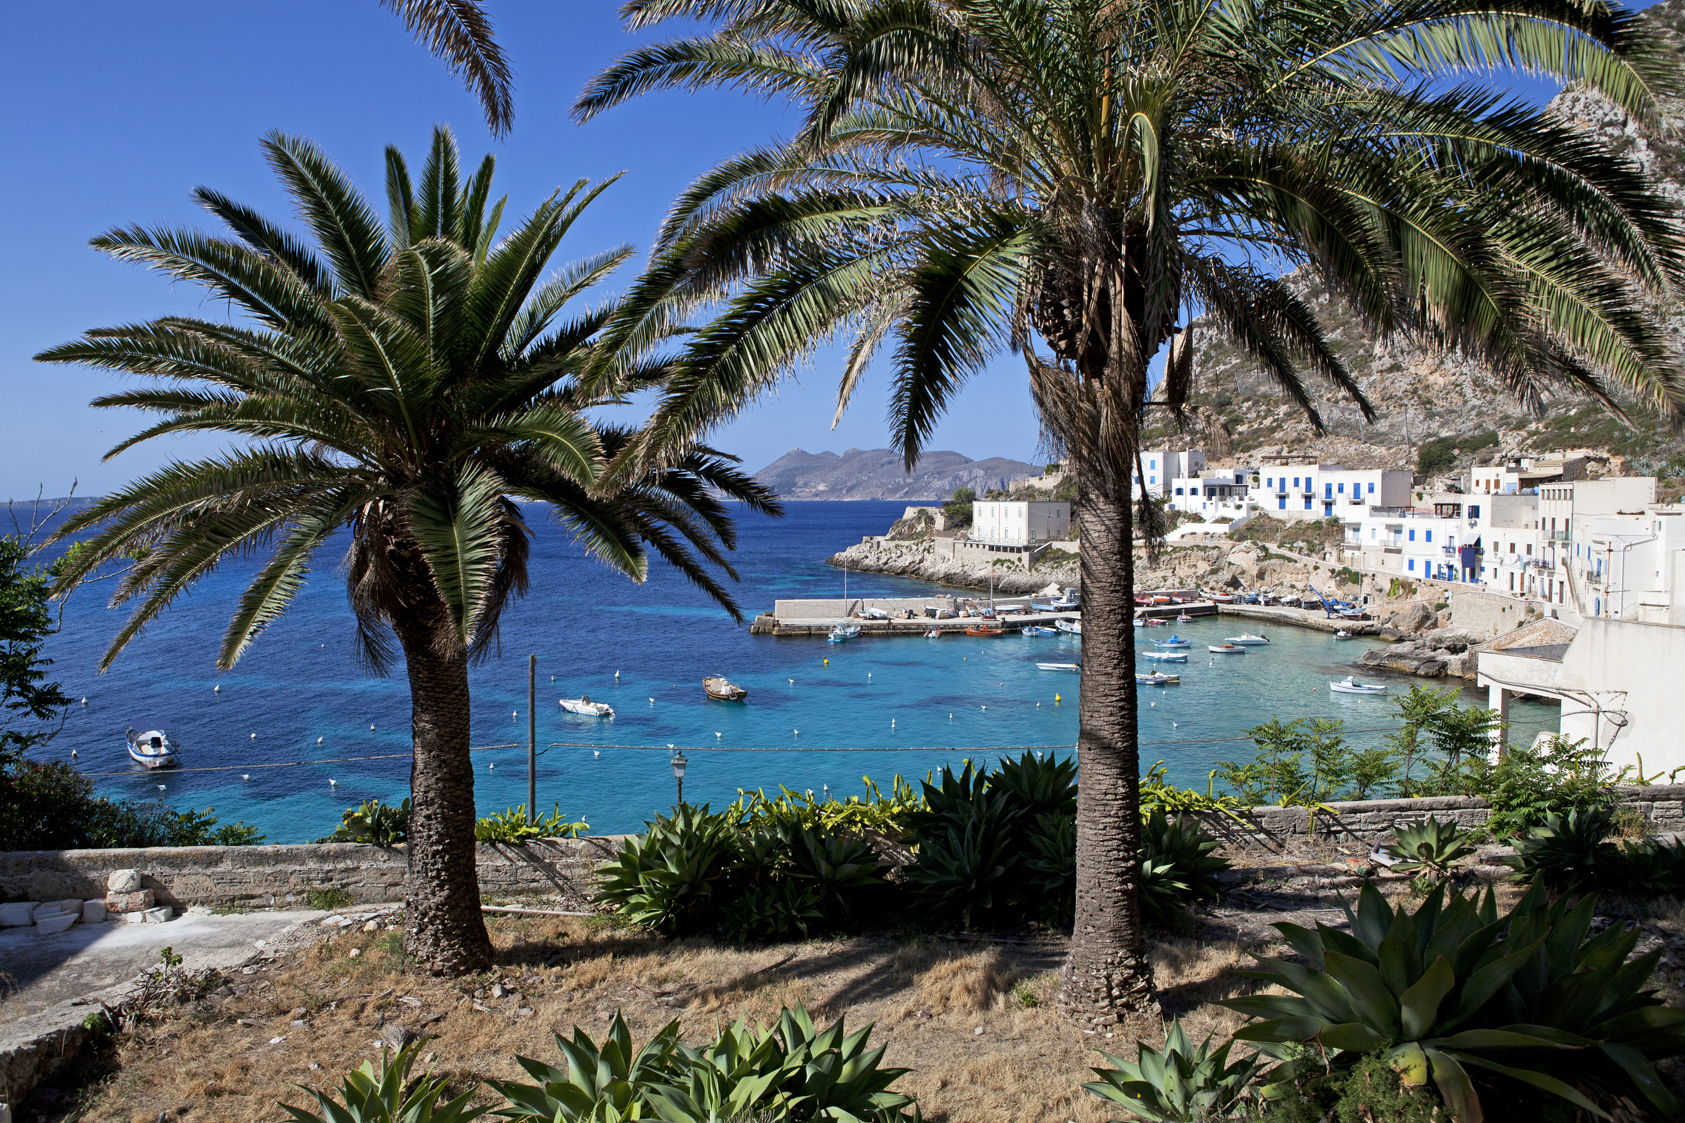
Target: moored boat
{"x": 1225, "y": 649}
{"x": 1349, "y": 685}
{"x": 1073, "y": 667}
{"x": 1038, "y": 630}
{"x": 1184, "y": 619}
{"x": 844, "y": 632}
{"x": 1158, "y": 678}
{"x": 1173, "y": 641}
{"x": 1247, "y": 639}
{"x": 1073, "y": 627}
{"x": 722, "y": 690}
{"x": 152, "y": 749}
{"x": 985, "y": 632}
{"x": 1166, "y": 656}
{"x": 584, "y": 706}
{"x": 933, "y": 633}
{"x": 1222, "y": 598}
{"x": 1343, "y": 634}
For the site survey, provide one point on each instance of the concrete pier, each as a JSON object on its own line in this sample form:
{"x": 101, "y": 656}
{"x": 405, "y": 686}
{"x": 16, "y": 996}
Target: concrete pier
{"x": 816, "y": 619}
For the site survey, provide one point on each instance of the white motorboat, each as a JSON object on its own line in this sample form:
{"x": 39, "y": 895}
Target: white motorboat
{"x": 1158, "y": 678}
{"x": 1072, "y": 667}
{"x": 874, "y": 614}
{"x": 1184, "y": 619}
{"x": 1343, "y": 634}
{"x": 844, "y": 632}
{"x": 1173, "y": 641}
{"x": 1225, "y": 649}
{"x": 152, "y": 749}
{"x": 584, "y": 705}
{"x": 1166, "y": 656}
{"x": 1038, "y": 630}
{"x": 1247, "y": 639}
{"x": 933, "y": 633}
{"x": 1074, "y": 627}
{"x": 1349, "y": 685}
{"x": 1140, "y": 621}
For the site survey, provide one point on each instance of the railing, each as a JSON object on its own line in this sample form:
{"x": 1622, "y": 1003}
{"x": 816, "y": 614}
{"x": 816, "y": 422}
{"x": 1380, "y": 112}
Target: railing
{"x": 1559, "y": 535}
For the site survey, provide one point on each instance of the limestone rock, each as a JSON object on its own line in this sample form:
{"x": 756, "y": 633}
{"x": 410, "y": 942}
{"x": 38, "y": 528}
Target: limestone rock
{"x": 123, "y": 881}
{"x": 129, "y": 902}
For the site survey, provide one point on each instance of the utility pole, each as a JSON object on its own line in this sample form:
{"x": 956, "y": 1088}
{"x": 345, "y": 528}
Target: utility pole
{"x": 532, "y": 737}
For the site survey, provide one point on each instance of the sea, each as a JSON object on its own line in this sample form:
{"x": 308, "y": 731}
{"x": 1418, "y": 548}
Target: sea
{"x": 298, "y": 731}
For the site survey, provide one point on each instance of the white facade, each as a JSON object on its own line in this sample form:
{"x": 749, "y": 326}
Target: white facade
{"x": 1323, "y": 491}
{"x": 1160, "y": 466}
{"x": 1423, "y": 544}
{"x": 1221, "y": 493}
{"x": 1017, "y": 523}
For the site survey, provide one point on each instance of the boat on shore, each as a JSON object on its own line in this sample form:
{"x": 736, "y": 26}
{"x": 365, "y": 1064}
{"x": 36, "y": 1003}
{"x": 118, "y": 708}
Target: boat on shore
{"x": 1158, "y": 678}
{"x": 583, "y": 705}
{"x": 152, "y": 749}
{"x": 1247, "y": 639}
{"x": 1223, "y": 598}
{"x": 1225, "y": 649}
{"x": 842, "y": 633}
{"x": 985, "y": 631}
{"x": 1072, "y": 667}
{"x": 1166, "y": 656}
{"x": 1349, "y": 685}
{"x": 722, "y": 690}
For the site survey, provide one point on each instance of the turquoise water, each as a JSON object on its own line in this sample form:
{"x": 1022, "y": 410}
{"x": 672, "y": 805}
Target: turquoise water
{"x": 878, "y": 707}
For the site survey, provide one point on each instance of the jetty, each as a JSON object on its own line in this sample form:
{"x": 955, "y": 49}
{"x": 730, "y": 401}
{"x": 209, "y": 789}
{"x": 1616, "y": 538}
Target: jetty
{"x": 913, "y": 616}
{"x": 1313, "y": 618}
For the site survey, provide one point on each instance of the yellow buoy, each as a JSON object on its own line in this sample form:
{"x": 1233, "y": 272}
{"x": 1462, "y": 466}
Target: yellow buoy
{"x": 1056, "y": 698}
{"x": 827, "y": 662}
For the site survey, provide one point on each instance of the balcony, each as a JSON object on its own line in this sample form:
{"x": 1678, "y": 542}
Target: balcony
{"x": 1559, "y": 536}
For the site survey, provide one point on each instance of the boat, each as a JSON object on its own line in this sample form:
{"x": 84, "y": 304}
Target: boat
{"x": 152, "y": 749}
{"x": 1247, "y": 639}
{"x": 1349, "y": 685}
{"x": 933, "y": 633}
{"x": 721, "y": 690}
{"x": 1038, "y": 630}
{"x": 1225, "y": 649}
{"x": 1222, "y": 598}
{"x": 1166, "y": 656}
{"x": 1073, "y": 667}
{"x": 1071, "y": 601}
{"x": 1343, "y": 634}
{"x": 1173, "y": 641}
{"x": 1073, "y": 627}
{"x": 584, "y": 705}
{"x": 1154, "y": 622}
{"x": 844, "y": 632}
{"x": 1158, "y": 678}
{"x": 1184, "y": 619}
{"x": 1140, "y": 621}
{"x": 985, "y": 632}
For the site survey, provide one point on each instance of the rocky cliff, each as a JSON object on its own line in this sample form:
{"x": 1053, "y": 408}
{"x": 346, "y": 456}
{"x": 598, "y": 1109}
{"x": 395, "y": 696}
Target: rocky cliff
{"x": 877, "y": 474}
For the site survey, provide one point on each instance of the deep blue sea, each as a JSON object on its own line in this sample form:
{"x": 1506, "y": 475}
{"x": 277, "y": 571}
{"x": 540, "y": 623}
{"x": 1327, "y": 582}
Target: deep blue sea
{"x": 878, "y": 707}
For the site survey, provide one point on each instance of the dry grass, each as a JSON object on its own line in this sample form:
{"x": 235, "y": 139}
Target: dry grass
{"x": 977, "y": 1024}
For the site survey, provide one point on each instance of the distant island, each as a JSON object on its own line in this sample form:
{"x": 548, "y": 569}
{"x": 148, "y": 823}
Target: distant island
{"x": 877, "y": 474}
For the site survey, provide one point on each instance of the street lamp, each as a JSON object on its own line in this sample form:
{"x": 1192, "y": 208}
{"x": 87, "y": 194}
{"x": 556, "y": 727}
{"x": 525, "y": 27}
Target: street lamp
{"x": 679, "y": 763}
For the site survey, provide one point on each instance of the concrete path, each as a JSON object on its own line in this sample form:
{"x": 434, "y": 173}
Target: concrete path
{"x": 38, "y": 971}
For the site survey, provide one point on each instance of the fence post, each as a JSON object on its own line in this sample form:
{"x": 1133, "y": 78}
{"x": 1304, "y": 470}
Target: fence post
{"x": 532, "y": 737}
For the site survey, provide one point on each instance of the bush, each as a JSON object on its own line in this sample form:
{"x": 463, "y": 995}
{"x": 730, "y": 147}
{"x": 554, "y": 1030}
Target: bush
{"x": 1367, "y": 1092}
{"x": 1533, "y": 782}
{"x": 374, "y": 823}
{"x": 48, "y": 805}
{"x": 1177, "y": 866}
{"x": 1184, "y": 1084}
{"x": 1526, "y": 1010}
{"x": 385, "y": 1093}
{"x": 511, "y": 826}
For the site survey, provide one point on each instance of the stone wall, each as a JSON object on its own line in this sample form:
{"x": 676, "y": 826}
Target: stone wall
{"x": 274, "y": 876}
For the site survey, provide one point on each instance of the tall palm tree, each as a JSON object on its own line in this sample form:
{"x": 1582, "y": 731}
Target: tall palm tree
{"x": 409, "y": 383}
{"x": 1076, "y": 180}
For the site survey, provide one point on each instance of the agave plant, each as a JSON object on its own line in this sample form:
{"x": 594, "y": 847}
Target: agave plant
{"x": 953, "y": 800}
{"x": 608, "y": 1080}
{"x": 384, "y": 1093}
{"x": 1053, "y": 862}
{"x": 771, "y": 910}
{"x": 971, "y": 869}
{"x": 1177, "y": 865}
{"x": 374, "y": 822}
{"x": 841, "y": 869}
{"x": 1492, "y": 1009}
{"x": 1040, "y": 786}
{"x": 665, "y": 877}
{"x": 1567, "y": 849}
{"x": 1429, "y": 847}
{"x": 1184, "y": 1084}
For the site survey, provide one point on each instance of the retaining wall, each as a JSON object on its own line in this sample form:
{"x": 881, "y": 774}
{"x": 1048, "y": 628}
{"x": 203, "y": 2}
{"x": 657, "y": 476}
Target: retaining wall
{"x": 273, "y": 876}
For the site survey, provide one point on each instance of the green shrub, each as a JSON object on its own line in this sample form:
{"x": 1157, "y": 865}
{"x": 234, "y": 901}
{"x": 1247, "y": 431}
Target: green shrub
{"x": 1525, "y": 1010}
{"x": 1367, "y": 1092}
{"x": 666, "y": 877}
{"x": 48, "y": 805}
{"x": 1177, "y": 866}
{"x": 1038, "y": 786}
{"x": 969, "y": 866}
{"x": 1429, "y": 847}
{"x": 1567, "y": 850}
{"x": 374, "y": 823}
{"x": 1532, "y": 782}
{"x": 385, "y": 1093}
{"x": 511, "y": 826}
{"x": 326, "y": 900}
{"x": 1157, "y": 793}
{"x": 1184, "y": 1084}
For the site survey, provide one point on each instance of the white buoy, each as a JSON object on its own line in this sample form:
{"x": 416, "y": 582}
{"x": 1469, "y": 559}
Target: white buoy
{"x": 617, "y": 674}
{"x": 161, "y": 787}
{"x": 254, "y": 736}
{"x": 985, "y": 707}
{"x": 85, "y": 699}
{"x": 72, "y": 754}
{"x": 514, "y": 715}
{"x": 595, "y": 753}
{"x": 868, "y": 674}
{"x": 719, "y": 735}
{"x": 652, "y": 701}
{"x": 892, "y": 723}
{"x": 795, "y": 733}
{"x": 1038, "y": 705}
{"x": 371, "y": 727}
{"x": 246, "y": 776}
{"x": 1173, "y": 725}
{"x": 791, "y": 681}
{"x": 491, "y": 768}
{"x": 217, "y": 689}
{"x": 318, "y": 740}
{"x": 333, "y": 783}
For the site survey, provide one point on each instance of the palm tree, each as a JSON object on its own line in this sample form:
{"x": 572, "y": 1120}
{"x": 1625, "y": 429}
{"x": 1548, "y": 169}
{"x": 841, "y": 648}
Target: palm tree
{"x": 1087, "y": 176}
{"x": 459, "y": 31}
{"x": 410, "y": 383}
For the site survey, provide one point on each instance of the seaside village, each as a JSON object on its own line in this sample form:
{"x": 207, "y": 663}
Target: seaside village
{"x": 1365, "y": 804}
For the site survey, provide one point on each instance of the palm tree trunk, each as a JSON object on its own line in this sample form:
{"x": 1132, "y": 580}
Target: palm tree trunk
{"x": 1108, "y": 972}
{"x": 446, "y": 931}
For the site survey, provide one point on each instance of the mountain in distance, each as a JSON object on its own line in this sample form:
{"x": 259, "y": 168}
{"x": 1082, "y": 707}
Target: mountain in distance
{"x": 877, "y": 474}
{"x": 1423, "y": 394}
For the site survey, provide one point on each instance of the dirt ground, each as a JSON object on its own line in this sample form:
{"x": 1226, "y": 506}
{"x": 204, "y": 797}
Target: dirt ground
{"x": 975, "y": 1019}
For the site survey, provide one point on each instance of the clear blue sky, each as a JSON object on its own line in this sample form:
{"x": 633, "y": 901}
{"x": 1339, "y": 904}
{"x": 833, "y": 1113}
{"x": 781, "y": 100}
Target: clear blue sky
{"x": 114, "y": 111}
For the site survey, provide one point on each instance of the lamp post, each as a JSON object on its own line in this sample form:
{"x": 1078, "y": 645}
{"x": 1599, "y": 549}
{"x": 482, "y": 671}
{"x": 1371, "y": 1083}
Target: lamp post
{"x": 679, "y": 763}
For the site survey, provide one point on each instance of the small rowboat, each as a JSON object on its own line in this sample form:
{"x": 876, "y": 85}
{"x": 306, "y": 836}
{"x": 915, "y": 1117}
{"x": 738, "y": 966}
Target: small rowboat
{"x": 1343, "y": 634}
{"x": 1038, "y": 630}
{"x": 1166, "y": 656}
{"x": 1225, "y": 649}
{"x": 1154, "y": 622}
{"x": 1072, "y": 667}
{"x": 721, "y": 690}
{"x": 152, "y": 749}
{"x": 1350, "y": 685}
{"x": 1247, "y": 639}
{"x": 1173, "y": 641}
{"x": 933, "y": 633}
{"x": 843, "y": 633}
{"x": 1184, "y": 619}
{"x": 986, "y": 633}
{"x": 1222, "y": 598}
{"x": 584, "y": 705}
{"x": 1158, "y": 678}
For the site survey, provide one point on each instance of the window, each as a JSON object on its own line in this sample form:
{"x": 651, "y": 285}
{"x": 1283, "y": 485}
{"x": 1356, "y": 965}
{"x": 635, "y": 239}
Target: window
{"x": 1178, "y": 491}
{"x": 1371, "y": 489}
{"x": 1429, "y": 534}
{"x": 1307, "y": 502}
{"x": 1412, "y": 534}
{"x": 1512, "y": 582}
{"x": 1373, "y": 533}
{"x": 1529, "y": 549}
{"x": 1342, "y": 489}
{"x": 1152, "y": 479}
{"x": 1193, "y": 491}
{"x": 1328, "y": 491}
{"x": 1281, "y": 504}
{"x": 1295, "y": 481}
{"x": 1512, "y": 547}
{"x": 1410, "y": 565}
{"x": 1270, "y": 482}
{"x": 1474, "y": 512}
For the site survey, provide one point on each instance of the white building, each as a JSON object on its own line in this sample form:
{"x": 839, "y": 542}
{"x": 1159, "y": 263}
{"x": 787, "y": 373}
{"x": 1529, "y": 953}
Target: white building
{"x": 1219, "y": 493}
{"x": 1438, "y": 544}
{"x": 1290, "y": 489}
{"x": 1160, "y": 466}
{"x": 1002, "y": 522}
